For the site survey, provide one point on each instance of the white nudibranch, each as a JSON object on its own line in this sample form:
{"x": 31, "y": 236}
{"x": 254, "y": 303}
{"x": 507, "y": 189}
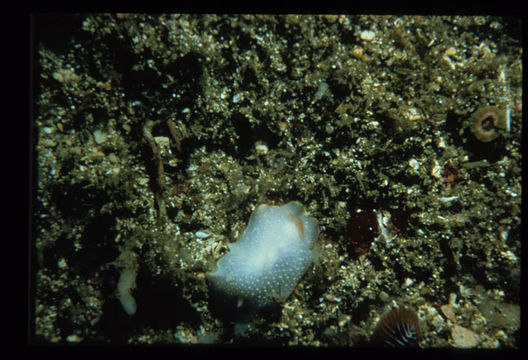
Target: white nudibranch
{"x": 270, "y": 257}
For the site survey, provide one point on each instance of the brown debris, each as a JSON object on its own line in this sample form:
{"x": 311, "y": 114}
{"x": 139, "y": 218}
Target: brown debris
{"x": 160, "y": 182}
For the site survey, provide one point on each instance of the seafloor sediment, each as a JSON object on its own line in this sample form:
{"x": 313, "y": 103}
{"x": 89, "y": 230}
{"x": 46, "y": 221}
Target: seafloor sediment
{"x": 156, "y": 136}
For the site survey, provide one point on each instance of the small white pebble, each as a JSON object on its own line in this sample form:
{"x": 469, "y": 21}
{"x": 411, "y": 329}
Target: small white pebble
{"x": 436, "y": 171}
{"x": 202, "y": 234}
{"x": 99, "y": 136}
{"x": 452, "y": 299}
{"x": 508, "y": 254}
{"x": 414, "y": 164}
{"x": 323, "y": 87}
{"x": 438, "y": 321}
{"x": 261, "y": 148}
{"x": 73, "y": 338}
{"x": 451, "y": 51}
{"x": 448, "y": 198}
{"x": 408, "y": 282}
{"x": 448, "y": 61}
{"x": 48, "y": 130}
{"x": 62, "y": 264}
{"x": 368, "y": 35}
{"x": 508, "y": 118}
{"x": 381, "y": 224}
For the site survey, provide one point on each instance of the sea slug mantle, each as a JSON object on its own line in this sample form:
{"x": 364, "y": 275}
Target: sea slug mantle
{"x": 269, "y": 259}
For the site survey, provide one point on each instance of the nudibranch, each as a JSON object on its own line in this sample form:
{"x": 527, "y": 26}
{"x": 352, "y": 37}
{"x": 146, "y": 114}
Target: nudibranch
{"x": 268, "y": 260}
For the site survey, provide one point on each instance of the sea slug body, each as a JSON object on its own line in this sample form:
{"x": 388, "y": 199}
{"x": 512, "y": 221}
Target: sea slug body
{"x": 269, "y": 259}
